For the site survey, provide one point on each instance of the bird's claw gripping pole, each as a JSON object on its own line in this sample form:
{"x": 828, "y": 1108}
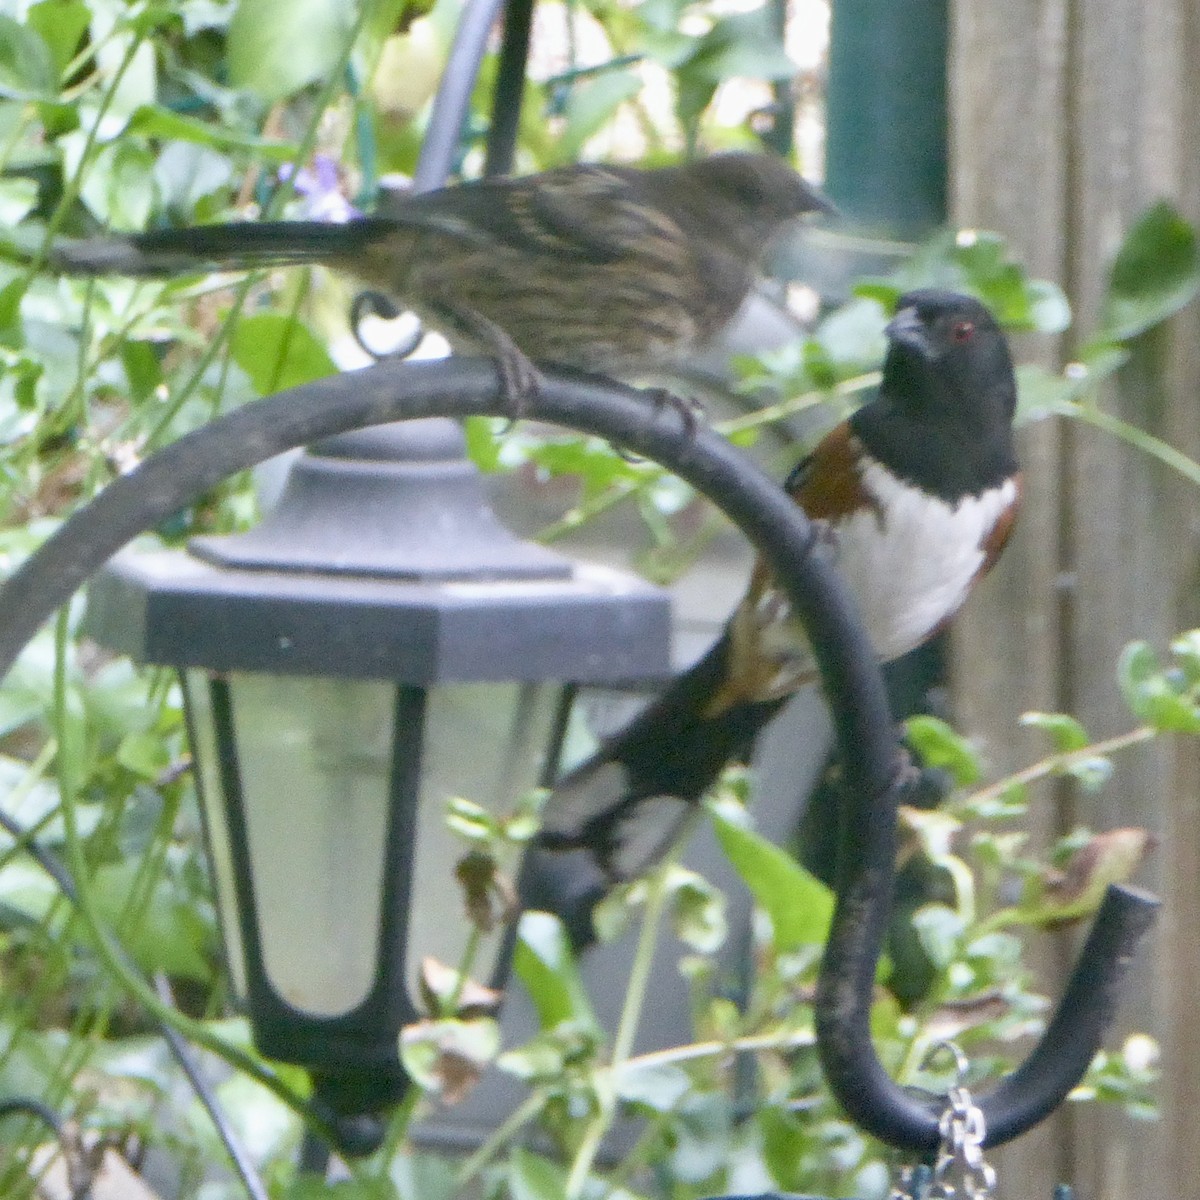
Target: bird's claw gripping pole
{"x": 873, "y": 764}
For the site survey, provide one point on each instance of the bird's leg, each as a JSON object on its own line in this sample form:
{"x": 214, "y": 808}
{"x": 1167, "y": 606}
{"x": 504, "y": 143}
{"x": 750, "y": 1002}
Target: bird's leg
{"x": 519, "y": 378}
{"x": 691, "y": 411}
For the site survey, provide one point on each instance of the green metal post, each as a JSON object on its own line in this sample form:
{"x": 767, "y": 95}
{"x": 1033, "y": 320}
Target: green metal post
{"x": 886, "y": 159}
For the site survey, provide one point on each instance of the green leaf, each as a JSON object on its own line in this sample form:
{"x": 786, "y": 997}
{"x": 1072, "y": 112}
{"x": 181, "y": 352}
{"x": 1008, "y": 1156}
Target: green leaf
{"x": 138, "y": 86}
{"x": 1156, "y": 272}
{"x": 17, "y": 198}
{"x": 978, "y": 261}
{"x": 119, "y": 185}
{"x": 591, "y": 106}
{"x": 424, "y": 1177}
{"x": 702, "y": 1138}
{"x": 313, "y": 1187}
{"x": 11, "y": 296}
{"x": 279, "y": 352}
{"x": 1049, "y": 308}
{"x": 940, "y": 746}
{"x": 800, "y": 905}
{"x": 1091, "y": 864}
{"x": 483, "y": 446}
{"x": 470, "y": 820}
{"x": 277, "y": 47}
{"x": 167, "y": 932}
{"x": 544, "y": 1056}
{"x": 144, "y": 754}
{"x": 667, "y": 47}
{"x": 851, "y": 338}
{"x": 26, "y": 889}
{"x": 152, "y": 121}
{"x": 743, "y": 45}
{"x": 26, "y": 65}
{"x": 545, "y": 964}
{"x": 143, "y": 370}
{"x": 1186, "y": 649}
{"x": 697, "y": 911}
{"x": 442, "y": 1055}
{"x": 660, "y": 16}
{"x": 940, "y": 929}
{"x": 1151, "y": 695}
{"x": 531, "y": 1177}
{"x": 1092, "y": 772}
{"x": 1042, "y": 393}
{"x": 62, "y": 24}
{"x": 787, "y": 1142}
{"x": 1064, "y": 731}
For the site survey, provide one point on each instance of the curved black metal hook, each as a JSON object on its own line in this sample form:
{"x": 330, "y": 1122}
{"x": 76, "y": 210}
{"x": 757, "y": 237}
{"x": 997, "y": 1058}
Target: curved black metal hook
{"x": 845, "y": 989}
{"x": 375, "y": 304}
{"x": 27, "y": 1106}
{"x": 873, "y": 764}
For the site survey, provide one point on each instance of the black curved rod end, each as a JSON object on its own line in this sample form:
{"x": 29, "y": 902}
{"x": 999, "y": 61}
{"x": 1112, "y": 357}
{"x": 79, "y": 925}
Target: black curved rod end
{"x": 1087, "y": 1008}
{"x": 1023, "y": 1098}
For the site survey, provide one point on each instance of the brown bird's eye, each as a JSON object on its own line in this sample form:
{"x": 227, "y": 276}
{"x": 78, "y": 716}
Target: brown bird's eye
{"x": 962, "y": 331}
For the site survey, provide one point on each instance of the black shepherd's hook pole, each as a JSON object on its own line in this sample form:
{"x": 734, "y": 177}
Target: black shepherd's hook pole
{"x": 846, "y": 986}
{"x": 873, "y": 764}
{"x": 866, "y": 874}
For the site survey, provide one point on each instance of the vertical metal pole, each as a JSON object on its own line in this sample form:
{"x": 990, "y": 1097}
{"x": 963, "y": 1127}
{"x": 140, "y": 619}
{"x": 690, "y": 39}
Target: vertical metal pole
{"x": 886, "y": 161}
{"x": 510, "y": 88}
{"x": 781, "y": 136}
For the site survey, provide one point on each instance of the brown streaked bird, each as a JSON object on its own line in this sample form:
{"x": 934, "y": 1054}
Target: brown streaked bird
{"x": 916, "y": 494}
{"x": 606, "y": 269}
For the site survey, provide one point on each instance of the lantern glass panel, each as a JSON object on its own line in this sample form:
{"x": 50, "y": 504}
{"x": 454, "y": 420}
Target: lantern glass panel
{"x": 487, "y": 743}
{"x": 314, "y": 757}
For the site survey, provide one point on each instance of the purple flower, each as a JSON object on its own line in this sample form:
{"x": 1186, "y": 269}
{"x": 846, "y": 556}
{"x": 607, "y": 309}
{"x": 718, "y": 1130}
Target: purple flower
{"x": 319, "y": 186}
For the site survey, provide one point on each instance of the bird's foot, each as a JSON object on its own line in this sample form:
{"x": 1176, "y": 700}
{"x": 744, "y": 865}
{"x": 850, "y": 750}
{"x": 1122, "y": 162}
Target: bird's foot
{"x": 520, "y": 380}
{"x": 691, "y": 411}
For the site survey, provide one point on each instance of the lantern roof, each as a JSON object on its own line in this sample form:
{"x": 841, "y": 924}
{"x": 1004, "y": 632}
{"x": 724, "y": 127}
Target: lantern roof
{"x": 382, "y": 560}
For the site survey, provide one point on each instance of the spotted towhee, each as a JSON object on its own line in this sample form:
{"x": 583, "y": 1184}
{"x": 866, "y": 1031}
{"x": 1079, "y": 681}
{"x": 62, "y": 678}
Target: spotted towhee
{"x": 608, "y": 269}
{"x": 915, "y": 494}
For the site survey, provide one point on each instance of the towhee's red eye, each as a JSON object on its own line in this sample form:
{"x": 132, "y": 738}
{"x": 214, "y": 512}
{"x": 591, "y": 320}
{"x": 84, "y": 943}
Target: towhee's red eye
{"x": 963, "y": 331}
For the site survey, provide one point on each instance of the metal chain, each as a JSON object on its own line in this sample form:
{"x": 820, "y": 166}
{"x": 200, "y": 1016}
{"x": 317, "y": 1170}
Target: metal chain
{"x": 960, "y": 1172}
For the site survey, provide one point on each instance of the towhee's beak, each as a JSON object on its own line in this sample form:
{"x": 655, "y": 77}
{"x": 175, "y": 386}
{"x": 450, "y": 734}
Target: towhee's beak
{"x": 907, "y": 329}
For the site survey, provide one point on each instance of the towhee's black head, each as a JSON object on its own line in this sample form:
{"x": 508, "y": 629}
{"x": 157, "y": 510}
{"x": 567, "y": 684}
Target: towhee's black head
{"x": 943, "y": 417}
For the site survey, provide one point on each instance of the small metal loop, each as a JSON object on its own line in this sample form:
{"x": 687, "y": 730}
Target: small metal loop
{"x": 961, "y": 1064}
{"x": 377, "y": 304}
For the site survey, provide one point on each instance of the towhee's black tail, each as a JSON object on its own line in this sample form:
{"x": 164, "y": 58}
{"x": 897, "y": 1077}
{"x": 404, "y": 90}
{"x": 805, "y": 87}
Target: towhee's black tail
{"x": 627, "y": 803}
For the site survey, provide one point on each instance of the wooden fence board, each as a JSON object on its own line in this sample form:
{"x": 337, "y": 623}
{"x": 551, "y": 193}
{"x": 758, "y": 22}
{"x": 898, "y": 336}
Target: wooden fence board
{"x": 1067, "y": 120}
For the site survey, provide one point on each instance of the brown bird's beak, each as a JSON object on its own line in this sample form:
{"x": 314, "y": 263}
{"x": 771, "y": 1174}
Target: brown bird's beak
{"x": 820, "y": 204}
